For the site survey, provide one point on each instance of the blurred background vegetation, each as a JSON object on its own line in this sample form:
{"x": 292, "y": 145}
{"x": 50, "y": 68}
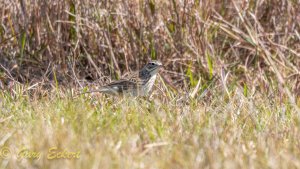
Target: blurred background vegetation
{"x": 246, "y": 53}
{"x": 254, "y": 44}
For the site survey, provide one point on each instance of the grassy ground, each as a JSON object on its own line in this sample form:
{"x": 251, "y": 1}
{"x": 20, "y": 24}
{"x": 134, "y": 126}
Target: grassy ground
{"x": 228, "y": 96}
{"x": 215, "y": 131}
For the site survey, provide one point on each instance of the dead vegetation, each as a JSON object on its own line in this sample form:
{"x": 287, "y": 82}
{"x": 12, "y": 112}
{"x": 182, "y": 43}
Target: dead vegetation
{"x": 234, "y": 65}
{"x": 257, "y": 42}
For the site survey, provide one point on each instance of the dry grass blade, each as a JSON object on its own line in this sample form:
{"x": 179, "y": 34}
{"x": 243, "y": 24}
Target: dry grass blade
{"x": 246, "y": 116}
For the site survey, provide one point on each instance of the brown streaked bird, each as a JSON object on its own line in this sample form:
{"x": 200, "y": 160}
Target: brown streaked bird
{"x": 136, "y": 83}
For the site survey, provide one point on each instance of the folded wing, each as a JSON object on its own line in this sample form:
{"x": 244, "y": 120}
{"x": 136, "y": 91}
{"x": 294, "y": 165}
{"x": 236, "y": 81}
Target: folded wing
{"x": 117, "y": 87}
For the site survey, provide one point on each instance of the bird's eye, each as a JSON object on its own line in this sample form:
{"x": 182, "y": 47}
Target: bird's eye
{"x": 152, "y": 64}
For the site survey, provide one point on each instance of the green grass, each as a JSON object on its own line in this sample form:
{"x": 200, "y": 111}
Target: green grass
{"x": 122, "y": 132}
{"x": 238, "y": 62}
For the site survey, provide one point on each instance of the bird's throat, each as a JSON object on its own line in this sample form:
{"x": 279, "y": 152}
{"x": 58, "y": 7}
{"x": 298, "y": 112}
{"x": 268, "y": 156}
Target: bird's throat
{"x": 149, "y": 84}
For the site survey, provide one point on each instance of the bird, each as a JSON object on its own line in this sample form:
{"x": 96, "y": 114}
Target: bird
{"x": 136, "y": 83}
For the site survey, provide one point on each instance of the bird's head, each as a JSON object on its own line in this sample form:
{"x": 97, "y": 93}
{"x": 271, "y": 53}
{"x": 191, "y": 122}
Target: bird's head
{"x": 153, "y": 66}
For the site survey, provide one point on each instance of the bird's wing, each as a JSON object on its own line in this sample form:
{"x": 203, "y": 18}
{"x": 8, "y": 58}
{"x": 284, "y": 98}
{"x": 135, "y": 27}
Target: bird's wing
{"x": 118, "y": 86}
{"x": 134, "y": 77}
{"x": 130, "y": 75}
